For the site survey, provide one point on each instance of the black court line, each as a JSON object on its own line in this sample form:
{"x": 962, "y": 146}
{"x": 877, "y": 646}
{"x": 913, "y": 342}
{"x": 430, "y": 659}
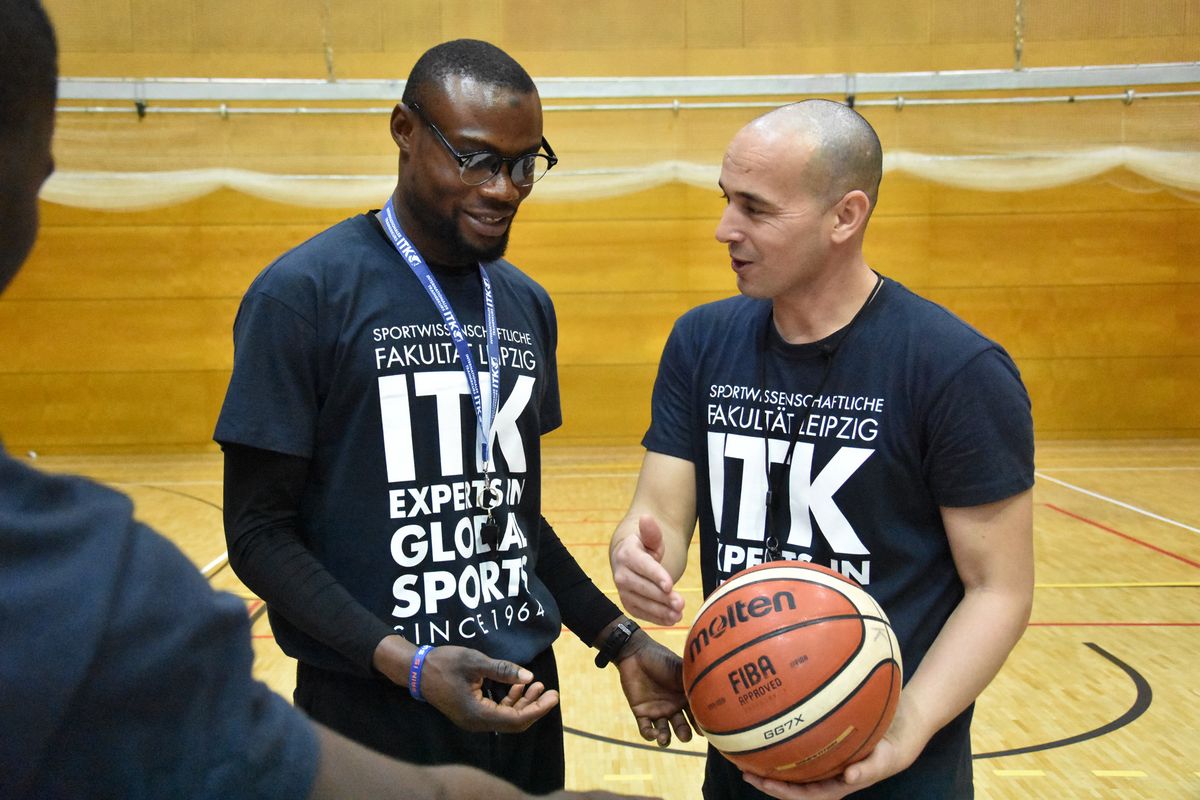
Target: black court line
{"x": 258, "y": 612}
{"x": 1141, "y": 703}
{"x": 209, "y": 503}
{"x": 634, "y": 745}
{"x": 178, "y": 493}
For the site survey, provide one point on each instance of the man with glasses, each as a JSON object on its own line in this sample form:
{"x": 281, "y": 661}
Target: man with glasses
{"x": 122, "y": 673}
{"x": 392, "y": 377}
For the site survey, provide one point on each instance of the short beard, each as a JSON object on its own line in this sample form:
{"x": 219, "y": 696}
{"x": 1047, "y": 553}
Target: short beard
{"x": 450, "y": 237}
{"x": 492, "y": 253}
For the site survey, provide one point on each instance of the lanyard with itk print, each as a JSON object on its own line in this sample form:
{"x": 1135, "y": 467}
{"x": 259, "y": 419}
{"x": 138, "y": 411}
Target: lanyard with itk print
{"x": 489, "y": 497}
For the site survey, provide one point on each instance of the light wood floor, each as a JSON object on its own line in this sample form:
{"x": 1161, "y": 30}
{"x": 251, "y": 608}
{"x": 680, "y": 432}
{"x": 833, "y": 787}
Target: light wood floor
{"x": 1101, "y": 698}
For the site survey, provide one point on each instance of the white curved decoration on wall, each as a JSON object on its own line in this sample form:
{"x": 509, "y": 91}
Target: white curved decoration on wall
{"x": 134, "y": 191}
{"x": 952, "y": 128}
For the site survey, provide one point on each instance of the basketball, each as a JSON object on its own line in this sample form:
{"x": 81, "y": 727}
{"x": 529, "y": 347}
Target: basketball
{"x": 792, "y": 671}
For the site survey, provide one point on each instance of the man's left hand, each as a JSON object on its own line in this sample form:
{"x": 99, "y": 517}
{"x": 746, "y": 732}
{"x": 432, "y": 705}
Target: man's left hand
{"x": 652, "y": 679}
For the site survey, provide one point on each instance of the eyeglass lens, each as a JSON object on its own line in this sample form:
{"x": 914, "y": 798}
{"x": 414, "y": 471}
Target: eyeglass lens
{"x": 481, "y": 167}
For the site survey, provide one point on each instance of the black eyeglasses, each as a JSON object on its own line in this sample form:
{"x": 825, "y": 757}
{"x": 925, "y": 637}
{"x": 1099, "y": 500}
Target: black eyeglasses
{"x": 481, "y": 166}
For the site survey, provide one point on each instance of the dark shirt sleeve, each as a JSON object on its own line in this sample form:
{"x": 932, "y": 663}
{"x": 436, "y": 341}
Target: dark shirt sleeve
{"x": 266, "y": 550}
{"x": 981, "y": 434}
{"x": 124, "y": 674}
{"x": 671, "y": 404}
{"x": 585, "y": 609}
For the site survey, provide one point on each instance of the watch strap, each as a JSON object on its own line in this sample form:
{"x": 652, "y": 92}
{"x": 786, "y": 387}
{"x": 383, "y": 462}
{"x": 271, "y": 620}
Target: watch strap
{"x": 616, "y": 640}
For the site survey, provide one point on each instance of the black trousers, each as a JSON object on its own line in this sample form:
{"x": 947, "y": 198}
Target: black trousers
{"x": 384, "y": 717}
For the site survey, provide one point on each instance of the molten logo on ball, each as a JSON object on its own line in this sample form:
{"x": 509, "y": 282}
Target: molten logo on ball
{"x": 792, "y": 671}
{"x": 733, "y": 614}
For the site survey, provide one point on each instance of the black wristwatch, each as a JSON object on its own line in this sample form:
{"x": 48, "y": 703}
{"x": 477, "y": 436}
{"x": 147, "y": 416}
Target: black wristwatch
{"x": 615, "y": 641}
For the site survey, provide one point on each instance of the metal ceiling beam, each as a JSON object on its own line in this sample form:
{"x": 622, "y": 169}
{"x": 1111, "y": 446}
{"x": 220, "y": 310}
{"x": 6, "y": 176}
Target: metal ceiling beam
{"x": 147, "y": 90}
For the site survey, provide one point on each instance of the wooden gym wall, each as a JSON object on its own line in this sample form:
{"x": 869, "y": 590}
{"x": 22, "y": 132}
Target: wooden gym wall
{"x": 116, "y": 337}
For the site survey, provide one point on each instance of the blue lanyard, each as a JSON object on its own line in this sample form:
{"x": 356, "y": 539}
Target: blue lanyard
{"x": 417, "y": 264}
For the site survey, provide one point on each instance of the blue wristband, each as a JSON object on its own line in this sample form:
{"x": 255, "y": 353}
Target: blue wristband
{"x": 414, "y": 672}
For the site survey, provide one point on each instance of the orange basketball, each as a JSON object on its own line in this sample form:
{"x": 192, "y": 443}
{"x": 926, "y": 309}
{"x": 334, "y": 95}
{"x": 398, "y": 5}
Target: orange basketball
{"x": 792, "y": 671}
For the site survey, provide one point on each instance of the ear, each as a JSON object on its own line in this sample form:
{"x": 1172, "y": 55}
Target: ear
{"x": 851, "y": 214}
{"x": 402, "y": 126}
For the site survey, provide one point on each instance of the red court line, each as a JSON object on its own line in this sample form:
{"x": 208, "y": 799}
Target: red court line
{"x": 1126, "y": 536}
{"x": 254, "y": 606}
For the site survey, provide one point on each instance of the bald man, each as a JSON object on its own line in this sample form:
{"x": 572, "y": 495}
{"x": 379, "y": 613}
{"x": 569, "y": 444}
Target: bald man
{"x": 830, "y": 415}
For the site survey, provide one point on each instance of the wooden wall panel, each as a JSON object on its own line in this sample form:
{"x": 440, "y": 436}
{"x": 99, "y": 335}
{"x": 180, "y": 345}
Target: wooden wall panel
{"x": 110, "y": 412}
{"x": 604, "y": 403}
{"x": 984, "y": 21}
{"x": 1081, "y": 398}
{"x": 1036, "y": 249}
{"x": 1154, "y": 321}
{"x": 620, "y": 328}
{"x": 122, "y": 320}
{"x": 609, "y": 25}
{"x": 155, "y": 303}
{"x": 376, "y": 38}
{"x": 88, "y": 336}
{"x": 1072, "y": 398}
{"x": 606, "y": 256}
{"x": 121, "y": 262}
{"x": 831, "y": 23}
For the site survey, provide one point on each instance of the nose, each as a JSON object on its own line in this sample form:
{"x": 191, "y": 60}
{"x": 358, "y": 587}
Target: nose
{"x": 727, "y": 231}
{"x": 501, "y": 186}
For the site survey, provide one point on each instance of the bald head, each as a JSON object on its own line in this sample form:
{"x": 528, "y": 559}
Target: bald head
{"x": 844, "y": 153}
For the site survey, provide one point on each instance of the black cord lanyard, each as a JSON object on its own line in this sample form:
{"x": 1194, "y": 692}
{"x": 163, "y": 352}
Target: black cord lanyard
{"x": 773, "y": 551}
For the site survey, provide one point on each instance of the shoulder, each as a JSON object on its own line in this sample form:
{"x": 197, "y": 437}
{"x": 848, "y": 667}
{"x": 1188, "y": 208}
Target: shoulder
{"x": 722, "y": 323}
{"x": 329, "y": 263}
{"x": 935, "y": 349}
{"x": 725, "y": 316}
{"x": 320, "y": 258}
{"x": 44, "y": 511}
{"x": 906, "y": 310}
{"x": 69, "y": 540}
{"x": 936, "y": 336}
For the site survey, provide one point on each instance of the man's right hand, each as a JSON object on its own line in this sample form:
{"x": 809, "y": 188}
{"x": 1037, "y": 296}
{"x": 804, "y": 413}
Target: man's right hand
{"x": 452, "y": 681}
{"x": 646, "y": 588}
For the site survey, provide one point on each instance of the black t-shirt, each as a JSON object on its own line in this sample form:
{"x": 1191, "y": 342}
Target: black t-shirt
{"x": 918, "y": 411}
{"x": 340, "y": 357}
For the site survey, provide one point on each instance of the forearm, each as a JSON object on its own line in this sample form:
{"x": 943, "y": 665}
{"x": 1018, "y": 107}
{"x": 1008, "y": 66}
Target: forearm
{"x": 585, "y": 610}
{"x": 348, "y": 771}
{"x": 964, "y": 658}
{"x": 665, "y": 498}
{"x": 992, "y": 546}
{"x": 266, "y": 551}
